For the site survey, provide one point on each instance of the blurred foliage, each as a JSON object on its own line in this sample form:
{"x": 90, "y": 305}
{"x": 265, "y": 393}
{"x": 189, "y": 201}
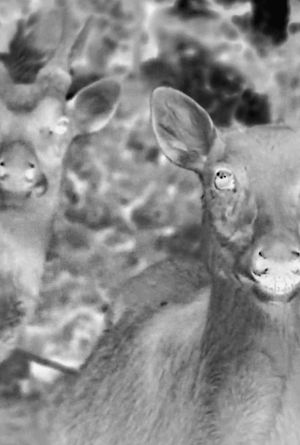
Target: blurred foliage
{"x": 123, "y": 206}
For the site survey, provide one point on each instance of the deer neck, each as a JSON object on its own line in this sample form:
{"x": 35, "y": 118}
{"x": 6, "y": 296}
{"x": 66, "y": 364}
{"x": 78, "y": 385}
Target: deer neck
{"x": 23, "y": 247}
{"x": 239, "y": 324}
{"x": 251, "y": 371}
{"x": 25, "y": 238}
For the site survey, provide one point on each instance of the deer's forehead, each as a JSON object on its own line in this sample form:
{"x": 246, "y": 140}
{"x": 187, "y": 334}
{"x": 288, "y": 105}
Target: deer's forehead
{"x": 267, "y": 156}
{"x": 266, "y": 165}
{"x": 47, "y": 111}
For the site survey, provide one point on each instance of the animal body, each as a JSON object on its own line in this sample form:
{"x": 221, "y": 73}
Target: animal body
{"x": 223, "y": 369}
{"x": 169, "y": 281}
{"x": 37, "y": 125}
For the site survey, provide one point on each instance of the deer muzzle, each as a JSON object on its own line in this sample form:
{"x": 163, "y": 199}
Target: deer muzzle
{"x": 275, "y": 269}
{"x": 16, "y": 191}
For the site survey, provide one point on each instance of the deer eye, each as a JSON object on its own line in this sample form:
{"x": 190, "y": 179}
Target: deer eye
{"x": 224, "y": 180}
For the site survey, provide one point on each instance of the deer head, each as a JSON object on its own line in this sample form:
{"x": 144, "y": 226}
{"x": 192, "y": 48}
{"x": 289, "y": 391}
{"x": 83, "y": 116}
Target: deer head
{"x": 37, "y": 125}
{"x": 250, "y": 180}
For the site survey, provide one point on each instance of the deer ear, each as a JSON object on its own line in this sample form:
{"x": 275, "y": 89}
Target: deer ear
{"x": 183, "y": 129}
{"x": 94, "y": 105}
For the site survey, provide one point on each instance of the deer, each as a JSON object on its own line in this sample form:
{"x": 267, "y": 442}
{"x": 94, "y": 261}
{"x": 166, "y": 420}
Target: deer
{"x": 38, "y": 124}
{"x": 223, "y": 368}
{"x": 168, "y": 281}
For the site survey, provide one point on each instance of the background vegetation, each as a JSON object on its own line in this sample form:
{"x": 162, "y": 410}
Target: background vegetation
{"x": 123, "y": 205}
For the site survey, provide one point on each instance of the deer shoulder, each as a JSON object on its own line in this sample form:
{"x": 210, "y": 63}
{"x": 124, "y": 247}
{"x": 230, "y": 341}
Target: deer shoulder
{"x": 166, "y": 282}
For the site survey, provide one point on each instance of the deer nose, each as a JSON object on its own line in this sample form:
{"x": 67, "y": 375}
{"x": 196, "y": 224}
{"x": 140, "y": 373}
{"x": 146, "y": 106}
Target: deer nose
{"x": 276, "y": 267}
{"x": 41, "y": 185}
{"x": 272, "y": 252}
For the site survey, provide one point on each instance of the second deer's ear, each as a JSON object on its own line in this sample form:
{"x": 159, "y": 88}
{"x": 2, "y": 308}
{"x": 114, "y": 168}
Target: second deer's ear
{"x": 183, "y": 129}
{"x": 94, "y": 105}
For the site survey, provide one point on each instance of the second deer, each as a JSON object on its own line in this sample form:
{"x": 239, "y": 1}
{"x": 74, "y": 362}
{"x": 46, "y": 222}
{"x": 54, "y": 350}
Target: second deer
{"x": 37, "y": 125}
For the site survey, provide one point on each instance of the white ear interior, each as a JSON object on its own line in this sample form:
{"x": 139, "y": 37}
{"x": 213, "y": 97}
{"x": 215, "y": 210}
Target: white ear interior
{"x": 183, "y": 129}
{"x": 94, "y": 105}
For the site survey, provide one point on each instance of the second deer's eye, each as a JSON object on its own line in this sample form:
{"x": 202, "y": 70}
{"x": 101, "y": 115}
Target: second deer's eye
{"x": 224, "y": 180}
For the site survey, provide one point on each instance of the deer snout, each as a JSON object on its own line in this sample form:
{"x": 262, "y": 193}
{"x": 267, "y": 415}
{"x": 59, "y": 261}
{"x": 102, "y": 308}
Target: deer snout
{"x": 275, "y": 268}
{"x": 20, "y": 183}
{"x": 17, "y": 185}
{"x": 40, "y": 186}
{"x": 34, "y": 180}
